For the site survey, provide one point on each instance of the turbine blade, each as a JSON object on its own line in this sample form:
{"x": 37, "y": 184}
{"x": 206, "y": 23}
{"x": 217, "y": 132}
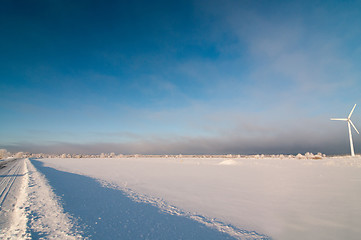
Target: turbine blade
{"x": 352, "y": 111}
{"x": 339, "y": 119}
{"x": 354, "y": 127}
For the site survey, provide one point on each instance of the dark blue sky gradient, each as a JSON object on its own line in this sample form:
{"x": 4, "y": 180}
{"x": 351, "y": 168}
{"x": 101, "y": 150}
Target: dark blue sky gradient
{"x": 147, "y": 73}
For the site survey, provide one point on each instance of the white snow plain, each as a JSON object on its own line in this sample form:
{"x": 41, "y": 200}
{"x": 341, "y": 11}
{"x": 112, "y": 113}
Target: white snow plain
{"x": 281, "y": 198}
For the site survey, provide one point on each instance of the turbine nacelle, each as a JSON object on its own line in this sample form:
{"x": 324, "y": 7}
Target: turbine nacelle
{"x": 348, "y": 119}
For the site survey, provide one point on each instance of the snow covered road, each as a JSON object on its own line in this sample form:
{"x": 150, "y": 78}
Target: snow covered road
{"x": 29, "y": 208}
{"x": 10, "y": 171}
{"x": 12, "y": 174}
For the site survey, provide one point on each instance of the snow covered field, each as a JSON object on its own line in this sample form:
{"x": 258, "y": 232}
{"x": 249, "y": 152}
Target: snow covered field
{"x": 280, "y": 198}
{"x": 152, "y": 198}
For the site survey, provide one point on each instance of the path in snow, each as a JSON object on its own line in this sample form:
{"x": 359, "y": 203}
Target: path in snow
{"x": 29, "y": 208}
{"x": 12, "y": 173}
{"x": 107, "y": 213}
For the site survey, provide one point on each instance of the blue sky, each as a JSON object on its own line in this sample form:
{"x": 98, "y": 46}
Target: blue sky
{"x": 179, "y": 76}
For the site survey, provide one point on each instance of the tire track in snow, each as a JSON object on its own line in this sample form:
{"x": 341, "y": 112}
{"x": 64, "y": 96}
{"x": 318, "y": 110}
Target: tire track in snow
{"x": 13, "y": 185}
{"x": 8, "y": 178}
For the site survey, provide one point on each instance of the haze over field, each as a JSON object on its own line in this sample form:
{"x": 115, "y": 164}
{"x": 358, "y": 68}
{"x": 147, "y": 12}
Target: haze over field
{"x": 170, "y": 77}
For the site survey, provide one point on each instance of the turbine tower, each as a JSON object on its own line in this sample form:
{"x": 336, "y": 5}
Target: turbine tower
{"x": 349, "y": 122}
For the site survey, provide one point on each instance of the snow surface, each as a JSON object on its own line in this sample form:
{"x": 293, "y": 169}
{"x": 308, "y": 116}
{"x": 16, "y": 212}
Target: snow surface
{"x": 107, "y": 213}
{"x": 30, "y": 209}
{"x": 12, "y": 187}
{"x": 281, "y": 198}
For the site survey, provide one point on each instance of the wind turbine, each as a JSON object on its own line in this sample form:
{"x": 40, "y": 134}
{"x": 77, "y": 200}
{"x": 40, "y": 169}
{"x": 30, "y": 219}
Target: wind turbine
{"x": 349, "y": 122}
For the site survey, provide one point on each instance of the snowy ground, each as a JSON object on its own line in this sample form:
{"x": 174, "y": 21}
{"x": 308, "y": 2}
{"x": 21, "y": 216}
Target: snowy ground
{"x": 280, "y": 198}
{"x": 107, "y": 213}
{"x": 29, "y": 208}
{"x": 11, "y": 188}
{"x": 181, "y": 198}
{"x": 43, "y": 203}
